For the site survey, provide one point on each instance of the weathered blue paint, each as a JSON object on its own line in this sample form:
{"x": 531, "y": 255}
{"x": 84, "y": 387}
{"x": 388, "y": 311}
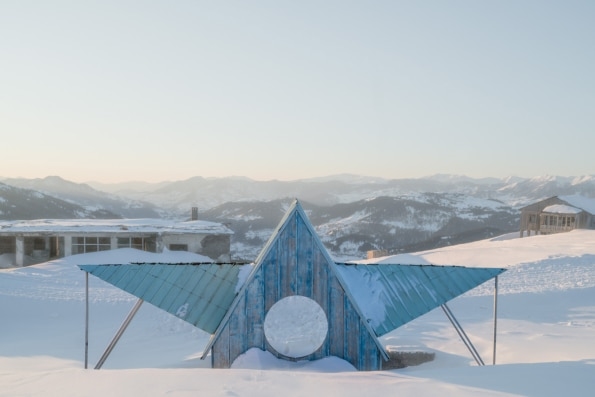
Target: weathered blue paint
{"x": 294, "y": 262}
{"x": 200, "y": 294}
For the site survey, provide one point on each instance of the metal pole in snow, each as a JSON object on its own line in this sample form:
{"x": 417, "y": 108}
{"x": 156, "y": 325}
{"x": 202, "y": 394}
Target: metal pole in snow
{"x": 462, "y": 334}
{"x": 116, "y": 338}
{"x": 495, "y": 317}
{"x": 86, "y": 319}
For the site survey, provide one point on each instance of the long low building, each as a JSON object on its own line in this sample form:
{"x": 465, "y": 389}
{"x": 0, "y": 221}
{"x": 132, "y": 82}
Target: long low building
{"x": 36, "y": 241}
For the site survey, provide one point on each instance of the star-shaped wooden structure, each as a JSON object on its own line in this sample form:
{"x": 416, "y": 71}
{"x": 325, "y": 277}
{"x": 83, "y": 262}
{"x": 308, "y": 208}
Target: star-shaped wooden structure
{"x": 232, "y": 302}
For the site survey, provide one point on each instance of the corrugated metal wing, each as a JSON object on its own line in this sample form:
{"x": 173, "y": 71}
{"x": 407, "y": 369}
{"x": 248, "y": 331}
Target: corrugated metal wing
{"x": 391, "y": 295}
{"x": 200, "y": 294}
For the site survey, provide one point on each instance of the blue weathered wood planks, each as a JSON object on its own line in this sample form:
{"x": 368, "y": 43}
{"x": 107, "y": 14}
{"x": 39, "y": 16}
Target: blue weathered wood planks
{"x": 296, "y": 263}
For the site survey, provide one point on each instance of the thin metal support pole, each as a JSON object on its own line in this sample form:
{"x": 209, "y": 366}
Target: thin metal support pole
{"x": 116, "y": 338}
{"x": 462, "y": 334}
{"x": 495, "y": 318}
{"x": 86, "y": 319}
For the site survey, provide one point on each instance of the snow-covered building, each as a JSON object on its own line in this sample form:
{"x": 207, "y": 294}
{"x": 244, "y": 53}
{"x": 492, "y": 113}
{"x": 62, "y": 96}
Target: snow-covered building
{"x": 35, "y": 241}
{"x": 558, "y": 214}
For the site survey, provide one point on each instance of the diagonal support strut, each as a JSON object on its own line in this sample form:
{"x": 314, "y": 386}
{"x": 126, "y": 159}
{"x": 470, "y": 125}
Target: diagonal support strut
{"x": 462, "y": 334}
{"x": 116, "y": 338}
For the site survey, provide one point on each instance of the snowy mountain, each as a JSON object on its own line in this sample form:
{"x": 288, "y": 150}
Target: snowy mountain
{"x": 522, "y": 192}
{"x": 85, "y": 196}
{"x": 206, "y": 193}
{"x": 397, "y": 224}
{"x": 352, "y": 213}
{"x": 19, "y": 203}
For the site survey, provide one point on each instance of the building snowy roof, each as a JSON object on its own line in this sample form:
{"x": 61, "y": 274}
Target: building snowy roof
{"x": 391, "y": 295}
{"x": 145, "y": 225}
{"x": 584, "y": 203}
{"x": 561, "y": 209}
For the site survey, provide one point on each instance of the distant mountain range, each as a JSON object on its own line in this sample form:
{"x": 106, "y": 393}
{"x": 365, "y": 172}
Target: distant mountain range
{"x": 83, "y": 199}
{"x": 206, "y": 193}
{"x": 351, "y": 213}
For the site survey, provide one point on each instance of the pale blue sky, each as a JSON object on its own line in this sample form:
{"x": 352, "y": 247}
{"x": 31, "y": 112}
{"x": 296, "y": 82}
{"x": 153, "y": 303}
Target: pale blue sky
{"x": 165, "y": 90}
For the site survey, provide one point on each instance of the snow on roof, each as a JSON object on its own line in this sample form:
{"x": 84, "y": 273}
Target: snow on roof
{"x": 584, "y": 203}
{"x": 391, "y": 295}
{"x": 561, "y": 209}
{"x": 146, "y": 225}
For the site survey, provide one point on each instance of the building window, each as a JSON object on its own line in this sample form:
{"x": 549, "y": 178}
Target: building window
{"x": 82, "y": 245}
{"x": 139, "y": 243}
{"x": 178, "y": 247}
{"x": 131, "y": 242}
{"x": 38, "y": 243}
{"x": 8, "y": 245}
{"x": 567, "y": 221}
{"x": 553, "y": 220}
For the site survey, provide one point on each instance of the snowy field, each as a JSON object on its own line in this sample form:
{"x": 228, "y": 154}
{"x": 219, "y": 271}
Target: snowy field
{"x": 546, "y": 334}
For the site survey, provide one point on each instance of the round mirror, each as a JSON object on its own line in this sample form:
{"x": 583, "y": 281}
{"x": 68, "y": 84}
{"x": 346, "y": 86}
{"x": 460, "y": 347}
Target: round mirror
{"x": 295, "y": 326}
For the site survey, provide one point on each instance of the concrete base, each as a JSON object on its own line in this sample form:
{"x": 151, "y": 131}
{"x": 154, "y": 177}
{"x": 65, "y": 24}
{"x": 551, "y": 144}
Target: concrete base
{"x": 406, "y": 359}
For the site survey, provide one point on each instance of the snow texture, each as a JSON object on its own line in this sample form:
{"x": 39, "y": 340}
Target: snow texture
{"x": 112, "y": 225}
{"x": 243, "y": 275}
{"x": 561, "y": 209}
{"x": 296, "y": 326}
{"x": 546, "y": 323}
{"x": 366, "y": 292}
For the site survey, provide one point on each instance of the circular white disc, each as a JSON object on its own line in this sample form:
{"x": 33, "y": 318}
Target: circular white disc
{"x": 296, "y": 326}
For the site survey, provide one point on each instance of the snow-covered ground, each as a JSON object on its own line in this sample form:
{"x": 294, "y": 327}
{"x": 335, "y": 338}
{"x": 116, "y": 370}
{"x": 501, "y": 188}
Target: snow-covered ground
{"x": 546, "y": 334}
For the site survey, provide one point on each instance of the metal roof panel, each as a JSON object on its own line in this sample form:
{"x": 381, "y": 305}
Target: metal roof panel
{"x": 199, "y": 293}
{"x": 391, "y": 295}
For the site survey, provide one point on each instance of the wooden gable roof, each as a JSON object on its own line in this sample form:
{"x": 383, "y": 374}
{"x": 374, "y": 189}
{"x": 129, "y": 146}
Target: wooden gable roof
{"x": 295, "y": 262}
